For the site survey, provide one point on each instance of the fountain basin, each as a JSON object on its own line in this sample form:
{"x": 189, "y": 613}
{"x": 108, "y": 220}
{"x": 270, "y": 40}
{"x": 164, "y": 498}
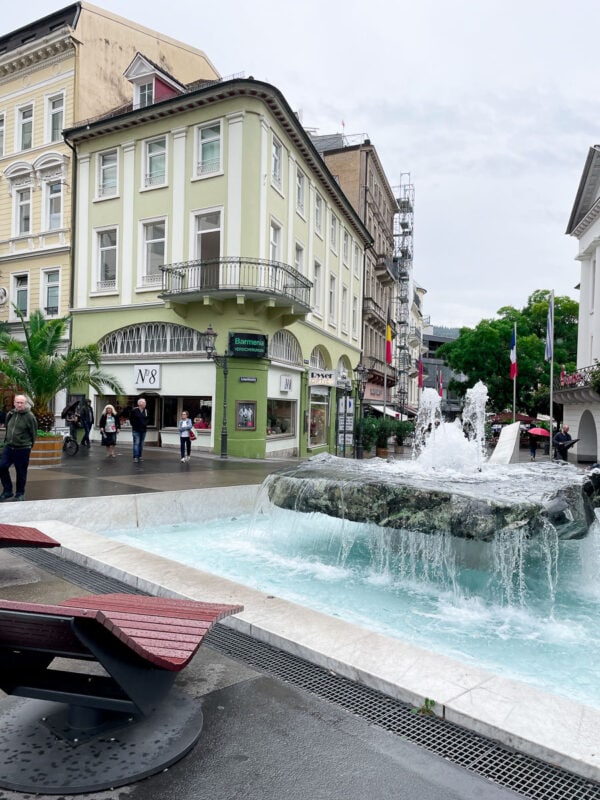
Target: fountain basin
{"x": 471, "y": 505}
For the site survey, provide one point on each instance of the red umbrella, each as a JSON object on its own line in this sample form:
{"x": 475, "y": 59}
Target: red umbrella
{"x": 538, "y": 432}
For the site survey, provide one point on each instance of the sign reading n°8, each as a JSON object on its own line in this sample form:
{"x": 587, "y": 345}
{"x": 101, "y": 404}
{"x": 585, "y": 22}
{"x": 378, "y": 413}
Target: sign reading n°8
{"x": 146, "y": 376}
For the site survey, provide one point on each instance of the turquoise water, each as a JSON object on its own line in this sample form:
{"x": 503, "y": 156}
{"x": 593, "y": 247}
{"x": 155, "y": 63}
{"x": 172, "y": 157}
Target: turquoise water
{"x": 526, "y": 610}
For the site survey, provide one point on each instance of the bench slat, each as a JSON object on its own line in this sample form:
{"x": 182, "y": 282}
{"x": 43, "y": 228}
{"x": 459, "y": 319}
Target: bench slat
{"x": 164, "y": 631}
{"x": 24, "y": 536}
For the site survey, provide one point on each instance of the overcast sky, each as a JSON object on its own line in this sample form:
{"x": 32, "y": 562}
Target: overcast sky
{"x": 489, "y": 105}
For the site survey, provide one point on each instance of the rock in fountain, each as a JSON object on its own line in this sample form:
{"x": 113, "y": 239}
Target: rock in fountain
{"x": 447, "y": 487}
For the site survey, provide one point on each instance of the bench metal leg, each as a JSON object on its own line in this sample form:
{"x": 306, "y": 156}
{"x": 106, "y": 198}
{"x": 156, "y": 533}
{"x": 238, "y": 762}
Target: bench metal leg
{"x": 33, "y": 759}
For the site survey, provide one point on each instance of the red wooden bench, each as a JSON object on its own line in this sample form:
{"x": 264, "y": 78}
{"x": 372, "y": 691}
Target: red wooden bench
{"x": 23, "y": 536}
{"x": 141, "y": 643}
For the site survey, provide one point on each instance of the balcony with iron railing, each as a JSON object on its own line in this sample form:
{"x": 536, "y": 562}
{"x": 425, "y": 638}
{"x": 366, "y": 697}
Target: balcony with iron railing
{"x": 228, "y": 278}
{"x": 578, "y": 386}
{"x": 373, "y": 312}
{"x": 385, "y": 269}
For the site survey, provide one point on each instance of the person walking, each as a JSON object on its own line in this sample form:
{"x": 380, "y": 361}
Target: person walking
{"x": 562, "y": 442}
{"x": 185, "y": 440}
{"x": 139, "y": 425}
{"x": 109, "y": 427}
{"x": 21, "y": 433}
{"x": 86, "y": 416}
{"x": 532, "y": 446}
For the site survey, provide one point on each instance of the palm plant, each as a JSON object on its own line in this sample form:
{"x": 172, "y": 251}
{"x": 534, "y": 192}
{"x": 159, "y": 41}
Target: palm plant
{"x": 37, "y": 367}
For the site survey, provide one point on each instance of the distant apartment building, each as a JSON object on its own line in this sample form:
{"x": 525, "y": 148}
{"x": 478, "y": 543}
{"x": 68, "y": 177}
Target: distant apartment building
{"x": 65, "y": 67}
{"x": 436, "y": 374}
{"x": 389, "y": 293}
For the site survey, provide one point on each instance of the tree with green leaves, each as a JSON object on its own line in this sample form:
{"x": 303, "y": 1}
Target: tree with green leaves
{"x": 37, "y": 366}
{"x": 483, "y": 353}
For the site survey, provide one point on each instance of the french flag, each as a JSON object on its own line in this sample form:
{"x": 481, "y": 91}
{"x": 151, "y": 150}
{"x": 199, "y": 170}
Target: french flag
{"x": 514, "y": 371}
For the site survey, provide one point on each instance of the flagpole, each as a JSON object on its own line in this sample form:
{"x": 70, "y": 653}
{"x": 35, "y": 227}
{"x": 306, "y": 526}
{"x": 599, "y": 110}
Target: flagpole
{"x": 515, "y": 377}
{"x": 550, "y": 353}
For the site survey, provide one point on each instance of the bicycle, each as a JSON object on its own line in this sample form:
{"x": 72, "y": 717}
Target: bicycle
{"x": 70, "y": 445}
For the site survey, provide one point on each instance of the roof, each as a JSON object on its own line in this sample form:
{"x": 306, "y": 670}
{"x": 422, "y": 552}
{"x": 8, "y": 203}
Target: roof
{"x": 586, "y": 198}
{"x": 40, "y": 28}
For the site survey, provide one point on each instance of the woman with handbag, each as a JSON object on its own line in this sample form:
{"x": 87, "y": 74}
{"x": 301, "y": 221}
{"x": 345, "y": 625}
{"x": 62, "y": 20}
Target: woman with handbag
{"x": 109, "y": 426}
{"x": 185, "y": 436}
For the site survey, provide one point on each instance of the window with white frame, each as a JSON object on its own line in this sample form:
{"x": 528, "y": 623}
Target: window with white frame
{"x": 355, "y": 260}
{"x": 51, "y": 292}
{"x": 107, "y": 173}
{"x": 1, "y": 135}
{"x": 208, "y": 236}
{"x": 21, "y": 293}
{"x": 318, "y": 214}
{"x": 55, "y": 117}
{"x": 277, "y": 163}
{"x": 155, "y": 162}
{"x": 53, "y": 203}
{"x": 354, "y": 315}
{"x": 25, "y": 127}
{"x": 209, "y": 149}
{"x": 23, "y": 211}
{"x": 300, "y": 191}
{"x": 107, "y": 259}
{"x": 144, "y": 94}
{"x": 346, "y": 247}
{"x": 299, "y": 258}
{"x": 344, "y": 308}
{"x": 275, "y": 242}
{"x": 333, "y": 233}
{"x": 154, "y": 241}
{"x": 317, "y": 285}
{"x": 332, "y": 298}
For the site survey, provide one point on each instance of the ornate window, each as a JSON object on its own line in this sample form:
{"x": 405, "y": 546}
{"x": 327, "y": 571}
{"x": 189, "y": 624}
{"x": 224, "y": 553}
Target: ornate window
{"x": 156, "y": 338}
{"x": 285, "y": 347}
{"x": 317, "y": 359}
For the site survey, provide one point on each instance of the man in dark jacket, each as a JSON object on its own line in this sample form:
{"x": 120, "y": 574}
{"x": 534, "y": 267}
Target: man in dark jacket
{"x": 86, "y": 415}
{"x": 139, "y": 425}
{"x": 21, "y": 432}
{"x": 562, "y": 442}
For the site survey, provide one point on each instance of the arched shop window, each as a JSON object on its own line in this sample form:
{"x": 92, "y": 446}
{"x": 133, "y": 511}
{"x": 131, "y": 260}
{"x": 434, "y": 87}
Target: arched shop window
{"x": 157, "y": 338}
{"x": 318, "y": 419}
{"x": 285, "y": 347}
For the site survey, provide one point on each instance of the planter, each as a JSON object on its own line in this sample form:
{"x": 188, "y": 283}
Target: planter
{"x": 399, "y": 448}
{"x": 382, "y": 452}
{"x": 46, "y": 452}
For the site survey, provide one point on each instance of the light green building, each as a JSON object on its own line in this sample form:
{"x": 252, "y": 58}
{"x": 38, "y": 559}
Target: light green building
{"x": 207, "y": 208}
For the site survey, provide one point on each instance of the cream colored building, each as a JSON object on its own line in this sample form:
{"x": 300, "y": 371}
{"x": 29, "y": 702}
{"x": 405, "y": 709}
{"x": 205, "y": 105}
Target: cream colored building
{"x": 64, "y": 68}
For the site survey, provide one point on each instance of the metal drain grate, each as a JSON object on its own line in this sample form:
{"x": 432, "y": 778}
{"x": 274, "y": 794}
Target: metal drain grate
{"x": 499, "y": 764}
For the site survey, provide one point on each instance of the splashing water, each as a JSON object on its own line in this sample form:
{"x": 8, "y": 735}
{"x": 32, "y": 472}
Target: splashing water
{"x": 439, "y": 444}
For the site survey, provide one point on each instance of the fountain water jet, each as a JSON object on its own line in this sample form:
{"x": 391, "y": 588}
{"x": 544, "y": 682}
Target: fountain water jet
{"x": 447, "y": 487}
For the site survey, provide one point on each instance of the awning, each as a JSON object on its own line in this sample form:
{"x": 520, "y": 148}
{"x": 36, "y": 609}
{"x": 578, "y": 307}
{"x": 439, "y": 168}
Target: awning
{"x": 389, "y": 411}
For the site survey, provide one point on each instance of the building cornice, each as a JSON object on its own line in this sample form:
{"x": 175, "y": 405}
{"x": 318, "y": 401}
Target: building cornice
{"x": 28, "y": 58}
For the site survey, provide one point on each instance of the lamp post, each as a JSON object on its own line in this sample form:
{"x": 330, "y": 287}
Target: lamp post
{"x": 362, "y": 376}
{"x": 220, "y": 361}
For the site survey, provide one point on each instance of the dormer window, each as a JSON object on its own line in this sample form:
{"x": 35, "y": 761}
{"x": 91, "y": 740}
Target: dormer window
{"x": 150, "y": 83}
{"x": 145, "y": 94}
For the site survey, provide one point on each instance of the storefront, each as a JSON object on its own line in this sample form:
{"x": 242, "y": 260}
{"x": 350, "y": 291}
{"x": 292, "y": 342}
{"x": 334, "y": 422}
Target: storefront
{"x": 283, "y": 411}
{"x": 321, "y": 384}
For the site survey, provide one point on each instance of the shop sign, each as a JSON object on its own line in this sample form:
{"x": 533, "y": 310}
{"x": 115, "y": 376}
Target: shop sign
{"x": 247, "y": 379}
{"x": 285, "y": 383}
{"x": 321, "y": 377}
{"x": 248, "y": 345}
{"x": 146, "y": 376}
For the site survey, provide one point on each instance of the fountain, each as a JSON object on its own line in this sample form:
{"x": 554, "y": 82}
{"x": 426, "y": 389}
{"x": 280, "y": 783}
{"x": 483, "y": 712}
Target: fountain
{"x": 447, "y": 487}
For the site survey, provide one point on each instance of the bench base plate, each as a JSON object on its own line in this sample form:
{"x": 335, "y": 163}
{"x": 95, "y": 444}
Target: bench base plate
{"x": 33, "y": 759}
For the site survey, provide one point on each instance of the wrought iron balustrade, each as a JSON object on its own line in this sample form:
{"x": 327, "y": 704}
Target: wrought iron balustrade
{"x": 254, "y": 276}
{"x": 580, "y": 379}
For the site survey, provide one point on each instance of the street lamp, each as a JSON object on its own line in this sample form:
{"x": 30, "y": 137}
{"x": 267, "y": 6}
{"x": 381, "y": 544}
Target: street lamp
{"x": 362, "y": 376}
{"x": 221, "y": 361}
